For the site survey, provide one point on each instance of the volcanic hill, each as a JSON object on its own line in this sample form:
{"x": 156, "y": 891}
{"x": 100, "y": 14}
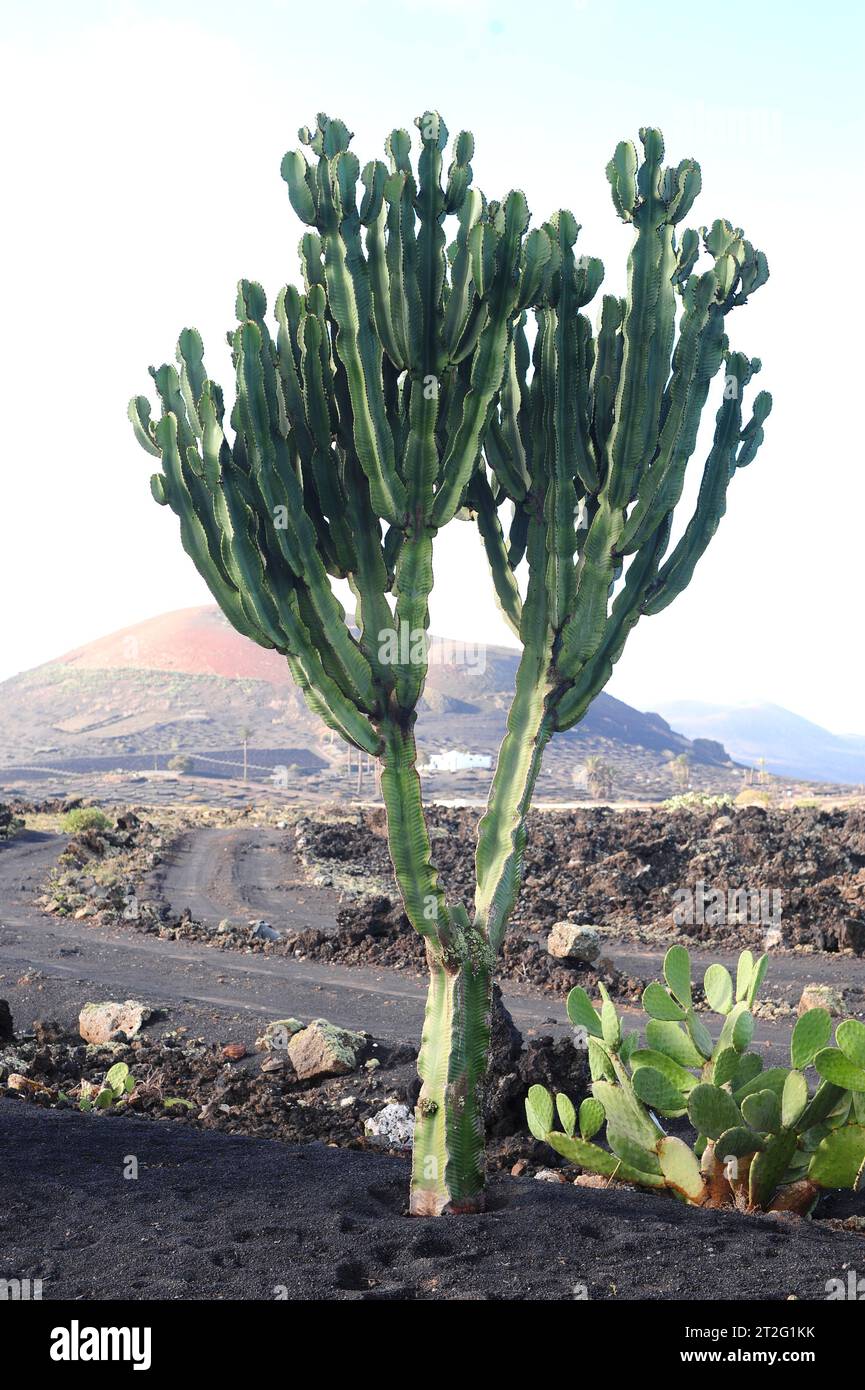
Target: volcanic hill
{"x": 186, "y": 683}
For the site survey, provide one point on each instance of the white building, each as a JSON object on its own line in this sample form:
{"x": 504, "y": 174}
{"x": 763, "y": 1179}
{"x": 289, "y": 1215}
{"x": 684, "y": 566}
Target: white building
{"x": 455, "y": 760}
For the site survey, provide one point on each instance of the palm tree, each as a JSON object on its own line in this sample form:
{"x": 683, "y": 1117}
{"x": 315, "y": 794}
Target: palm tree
{"x": 681, "y": 770}
{"x": 599, "y": 778}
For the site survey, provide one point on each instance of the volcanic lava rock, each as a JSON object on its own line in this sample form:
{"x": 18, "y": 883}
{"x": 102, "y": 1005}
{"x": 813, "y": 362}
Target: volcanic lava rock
{"x": 322, "y": 1049}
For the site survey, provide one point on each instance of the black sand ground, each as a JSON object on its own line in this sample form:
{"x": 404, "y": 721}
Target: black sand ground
{"x": 218, "y": 1217}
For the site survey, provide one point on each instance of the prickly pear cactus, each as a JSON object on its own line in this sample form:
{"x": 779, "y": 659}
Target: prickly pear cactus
{"x": 764, "y": 1141}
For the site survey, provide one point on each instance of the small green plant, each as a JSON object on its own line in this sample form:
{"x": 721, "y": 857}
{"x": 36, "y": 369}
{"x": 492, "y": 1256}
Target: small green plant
{"x": 696, "y": 801}
{"x": 181, "y": 762}
{"x": 764, "y": 1141}
{"x": 10, "y": 824}
{"x": 117, "y": 1086}
{"x": 753, "y": 796}
{"x": 84, "y": 818}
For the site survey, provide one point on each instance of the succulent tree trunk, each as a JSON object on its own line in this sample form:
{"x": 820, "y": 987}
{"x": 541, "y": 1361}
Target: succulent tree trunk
{"x": 401, "y": 391}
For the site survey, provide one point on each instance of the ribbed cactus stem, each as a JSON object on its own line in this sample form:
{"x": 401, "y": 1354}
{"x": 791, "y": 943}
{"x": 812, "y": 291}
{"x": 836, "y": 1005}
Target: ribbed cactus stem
{"x": 448, "y": 1161}
{"x": 448, "y": 1157}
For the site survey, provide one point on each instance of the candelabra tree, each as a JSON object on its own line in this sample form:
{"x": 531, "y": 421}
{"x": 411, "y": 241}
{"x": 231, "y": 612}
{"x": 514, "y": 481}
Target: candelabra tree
{"x": 400, "y": 390}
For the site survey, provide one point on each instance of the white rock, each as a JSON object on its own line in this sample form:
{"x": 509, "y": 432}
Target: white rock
{"x": 568, "y": 941}
{"x": 817, "y": 996}
{"x": 393, "y": 1125}
{"x": 549, "y": 1175}
{"x": 101, "y": 1023}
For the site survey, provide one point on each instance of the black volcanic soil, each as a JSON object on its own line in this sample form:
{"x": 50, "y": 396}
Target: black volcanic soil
{"x": 214, "y": 1216}
{"x": 239, "y": 1090}
{"x": 619, "y": 869}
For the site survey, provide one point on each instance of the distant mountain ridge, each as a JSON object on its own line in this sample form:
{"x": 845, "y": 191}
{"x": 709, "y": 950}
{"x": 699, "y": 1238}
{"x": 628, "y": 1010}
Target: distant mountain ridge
{"x": 186, "y": 682}
{"x": 791, "y": 745}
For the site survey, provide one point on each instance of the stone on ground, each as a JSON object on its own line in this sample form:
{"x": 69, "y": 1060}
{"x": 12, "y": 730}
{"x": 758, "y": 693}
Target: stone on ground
{"x": 112, "y": 1022}
{"x": 821, "y": 997}
{"x": 276, "y": 1035}
{"x": 394, "y": 1125}
{"x": 322, "y": 1049}
{"x": 569, "y": 941}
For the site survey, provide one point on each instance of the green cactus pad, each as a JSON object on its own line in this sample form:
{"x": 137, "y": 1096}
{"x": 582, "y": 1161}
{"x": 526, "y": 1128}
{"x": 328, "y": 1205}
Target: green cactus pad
{"x": 117, "y": 1076}
{"x": 659, "y": 1005}
{"x": 724, "y": 1065}
{"x": 590, "y": 1156}
{"x": 700, "y": 1035}
{"x": 744, "y": 975}
{"x": 850, "y": 1037}
{"x": 677, "y": 973}
{"x": 591, "y": 1117}
{"x": 712, "y": 1110}
{"x": 539, "y": 1111}
{"x": 600, "y": 1065}
{"x": 673, "y": 1041}
{"x": 772, "y": 1079}
{"x": 625, "y": 1114}
{"x": 655, "y": 1090}
{"x": 566, "y": 1112}
{"x": 820, "y": 1106}
{"x": 762, "y": 1111}
{"x": 718, "y": 987}
{"x": 610, "y": 1024}
{"x": 680, "y": 1168}
{"x": 582, "y": 1012}
{"x": 769, "y": 1167}
{"x": 598, "y": 1160}
{"x": 738, "y": 1029}
{"x": 634, "y": 1155}
{"x": 678, "y": 1076}
{"x": 737, "y": 1143}
{"x": 758, "y": 974}
{"x": 810, "y": 1035}
{"x": 749, "y": 1066}
{"x": 838, "y": 1160}
{"x": 794, "y": 1099}
{"x": 833, "y": 1065}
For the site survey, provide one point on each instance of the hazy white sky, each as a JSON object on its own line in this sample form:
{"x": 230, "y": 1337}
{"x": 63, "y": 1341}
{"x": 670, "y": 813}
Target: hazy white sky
{"x": 141, "y": 180}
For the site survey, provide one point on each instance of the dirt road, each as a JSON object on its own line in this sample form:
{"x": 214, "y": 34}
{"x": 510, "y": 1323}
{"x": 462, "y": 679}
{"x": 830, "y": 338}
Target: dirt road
{"x": 243, "y": 873}
{"x": 50, "y": 966}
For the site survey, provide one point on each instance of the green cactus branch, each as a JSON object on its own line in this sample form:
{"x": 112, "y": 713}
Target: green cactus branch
{"x": 438, "y": 364}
